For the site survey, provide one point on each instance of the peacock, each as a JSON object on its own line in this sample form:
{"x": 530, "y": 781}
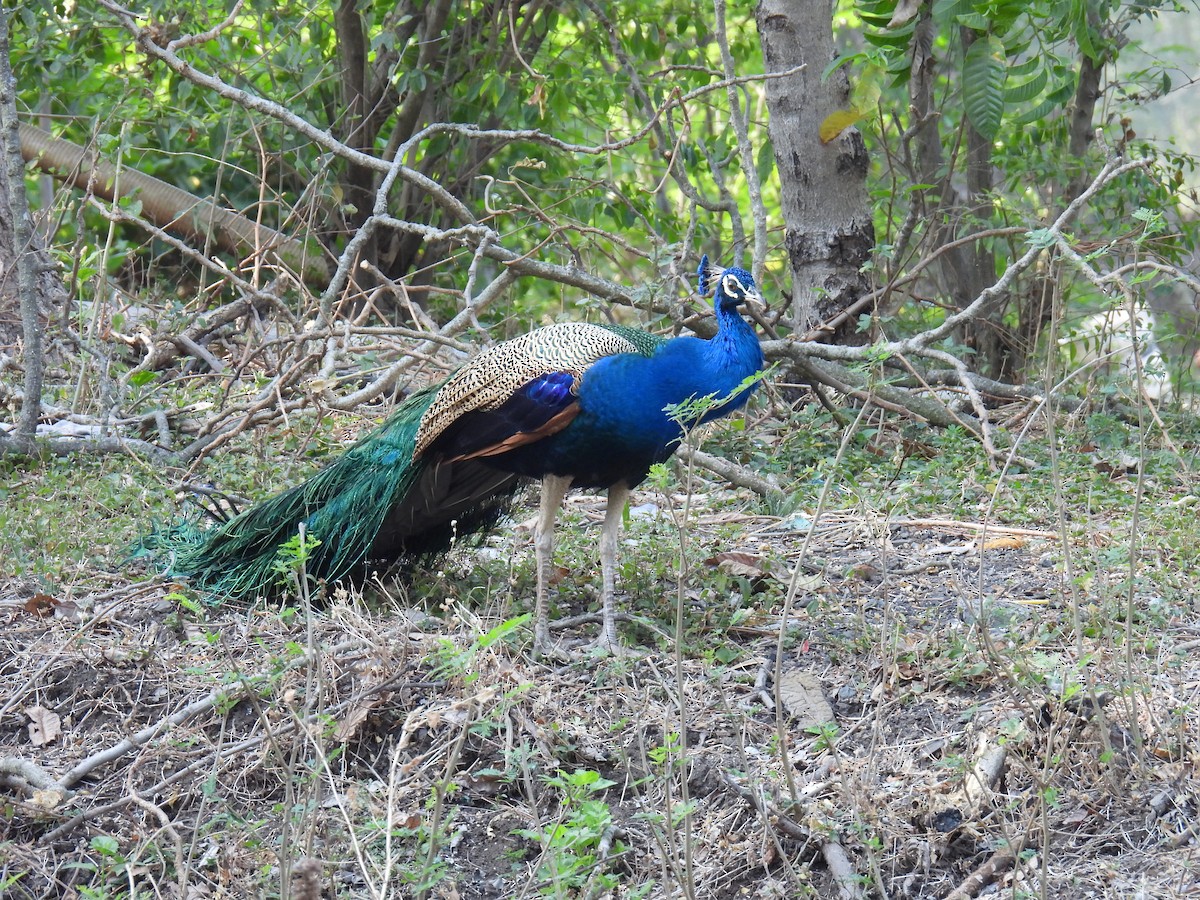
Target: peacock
{"x": 575, "y": 405}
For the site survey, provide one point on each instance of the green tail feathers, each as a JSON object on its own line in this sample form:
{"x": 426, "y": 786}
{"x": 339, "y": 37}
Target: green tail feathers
{"x": 343, "y": 507}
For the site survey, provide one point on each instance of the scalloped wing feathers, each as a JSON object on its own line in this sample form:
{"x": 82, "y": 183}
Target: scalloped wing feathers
{"x": 496, "y": 374}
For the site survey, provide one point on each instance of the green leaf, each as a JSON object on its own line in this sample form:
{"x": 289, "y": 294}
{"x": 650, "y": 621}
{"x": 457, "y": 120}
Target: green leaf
{"x": 890, "y": 39}
{"x": 1063, "y": 93}
{"x": 977, "y": 21}
{"x": 984, "y": 72}
{"x": 1083, "y": 31}
{"x": 1041, "y": 238}
{"x": 1032, "y": 115}
{"x": 946, "y": 9}
{"x": 1025, "y": 69}
{"x": 838, "y": 61}
{"x": 501, "y": 631}
{"x": 106, "y": 845}
{"x": 875, "y": 20}
{"x": 1019, "y": 93}
{"x": 765, "y": 163}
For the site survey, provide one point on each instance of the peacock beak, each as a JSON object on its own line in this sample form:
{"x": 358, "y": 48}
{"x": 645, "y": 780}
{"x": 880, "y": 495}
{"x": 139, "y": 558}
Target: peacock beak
{"x": 754, "y": 300}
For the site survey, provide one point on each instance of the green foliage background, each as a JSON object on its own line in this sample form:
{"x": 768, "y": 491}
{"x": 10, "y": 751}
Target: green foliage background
{"x": 589, "y": 73}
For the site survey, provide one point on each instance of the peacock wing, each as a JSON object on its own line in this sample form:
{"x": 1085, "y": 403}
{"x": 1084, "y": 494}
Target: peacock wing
{"x": 518, "y": 391}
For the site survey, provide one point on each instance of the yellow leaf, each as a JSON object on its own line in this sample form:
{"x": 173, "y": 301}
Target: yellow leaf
{"x": 837, "y": 122}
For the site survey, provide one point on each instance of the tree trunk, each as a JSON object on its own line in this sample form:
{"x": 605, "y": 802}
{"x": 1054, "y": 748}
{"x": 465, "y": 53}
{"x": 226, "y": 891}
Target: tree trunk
{"x": 961, "y": 273}
{"x": 823, "y": 186}
{"x": 26, "y": 272}
{"x": 990, "y": 336}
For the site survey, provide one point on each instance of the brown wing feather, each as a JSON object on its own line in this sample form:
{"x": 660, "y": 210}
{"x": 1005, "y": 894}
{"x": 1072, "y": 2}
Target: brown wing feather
{"x": 521, "y": 438}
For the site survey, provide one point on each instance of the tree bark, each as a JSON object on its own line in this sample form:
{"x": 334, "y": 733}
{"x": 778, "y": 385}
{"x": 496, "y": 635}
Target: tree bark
{"x": 19, "y": 256}
{"x": 990, "y": 337}
{"x": 823, "y": 186}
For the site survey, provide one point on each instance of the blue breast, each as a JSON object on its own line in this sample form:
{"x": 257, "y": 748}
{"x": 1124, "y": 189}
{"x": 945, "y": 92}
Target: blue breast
{"x": 623, "y": 427}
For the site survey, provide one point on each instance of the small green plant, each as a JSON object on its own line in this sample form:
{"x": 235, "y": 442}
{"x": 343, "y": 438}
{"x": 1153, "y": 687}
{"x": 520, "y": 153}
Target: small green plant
{"x": 826, "y": 735}
{"x": 669, "y": 752}
{"x": 431, "y": 832}
{"x": 451, "y": 662}
{"x": 107, "y": 873}
{"x": 191, "y": 604}
{"x": 293, "y": 555}
{"x": 572, "y": 846}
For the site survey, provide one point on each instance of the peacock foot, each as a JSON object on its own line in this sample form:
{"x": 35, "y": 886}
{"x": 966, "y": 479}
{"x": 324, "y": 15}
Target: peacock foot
{"x": 610, "y": 645}
{"x": 553, "y": 651}
{"x": 545, "y": 648}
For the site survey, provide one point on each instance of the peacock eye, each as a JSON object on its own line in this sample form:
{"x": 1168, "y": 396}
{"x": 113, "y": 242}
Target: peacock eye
{"x": 732, "y": 286}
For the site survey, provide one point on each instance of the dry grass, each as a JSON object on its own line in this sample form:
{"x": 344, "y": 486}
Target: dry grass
{"x": 388, "y": 752}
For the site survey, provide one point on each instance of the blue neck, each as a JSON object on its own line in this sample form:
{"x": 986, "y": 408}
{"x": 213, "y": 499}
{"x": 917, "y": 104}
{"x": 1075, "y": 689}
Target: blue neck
{"x": 623, "y": 427}
{"x": 731, "y": 356}
{"x": 629, "y": 394}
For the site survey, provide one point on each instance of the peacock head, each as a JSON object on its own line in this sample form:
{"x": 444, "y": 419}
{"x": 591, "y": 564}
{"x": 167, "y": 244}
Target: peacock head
{"x": 733, "y": 286}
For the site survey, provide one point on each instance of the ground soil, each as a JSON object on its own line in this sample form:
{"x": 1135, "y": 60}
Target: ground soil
{"x": 961, "y": 717}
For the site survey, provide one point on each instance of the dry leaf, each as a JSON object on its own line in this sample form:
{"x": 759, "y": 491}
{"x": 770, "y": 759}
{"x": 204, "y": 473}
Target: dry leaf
{"x": 918, "y": 449}
{"x": 1078, "y": 817}
{"x": 44, "y": 725}
{"x": 348, "y": 726}
{"x": 40, "y": 605}
{"x": 48, "y": 798}
{"x": 864, "y": 572}
{"x": 802, "y": 696}
{"x": 745, "y": 565}
{"x": 1124, "y": 464}
{"x": 807, "y": 584}
{"x": 905, "y": 10}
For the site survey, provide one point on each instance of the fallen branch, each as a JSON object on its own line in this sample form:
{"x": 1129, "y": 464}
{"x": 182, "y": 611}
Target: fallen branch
{"x": 219, "y": 697}
{"x": 847, "y": 880}
{"x": 1185, "y": 837}
{"x": 731, "y": 472}
{"x": 24, "y": 775}
{"x": 843, "y": 873}
{"x": 959, "y": 525}
{"x": 999, "y": 863}
{"x": 87, "y": 447}
{"x": 205, "y": 762}
{"x": 167, "y": 206}
{"x": 978, "y": 784}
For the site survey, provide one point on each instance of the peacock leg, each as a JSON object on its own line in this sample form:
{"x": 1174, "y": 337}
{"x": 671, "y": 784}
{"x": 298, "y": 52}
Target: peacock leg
{"x": 618, "y": 494}
{"x": 554, "y": 489}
